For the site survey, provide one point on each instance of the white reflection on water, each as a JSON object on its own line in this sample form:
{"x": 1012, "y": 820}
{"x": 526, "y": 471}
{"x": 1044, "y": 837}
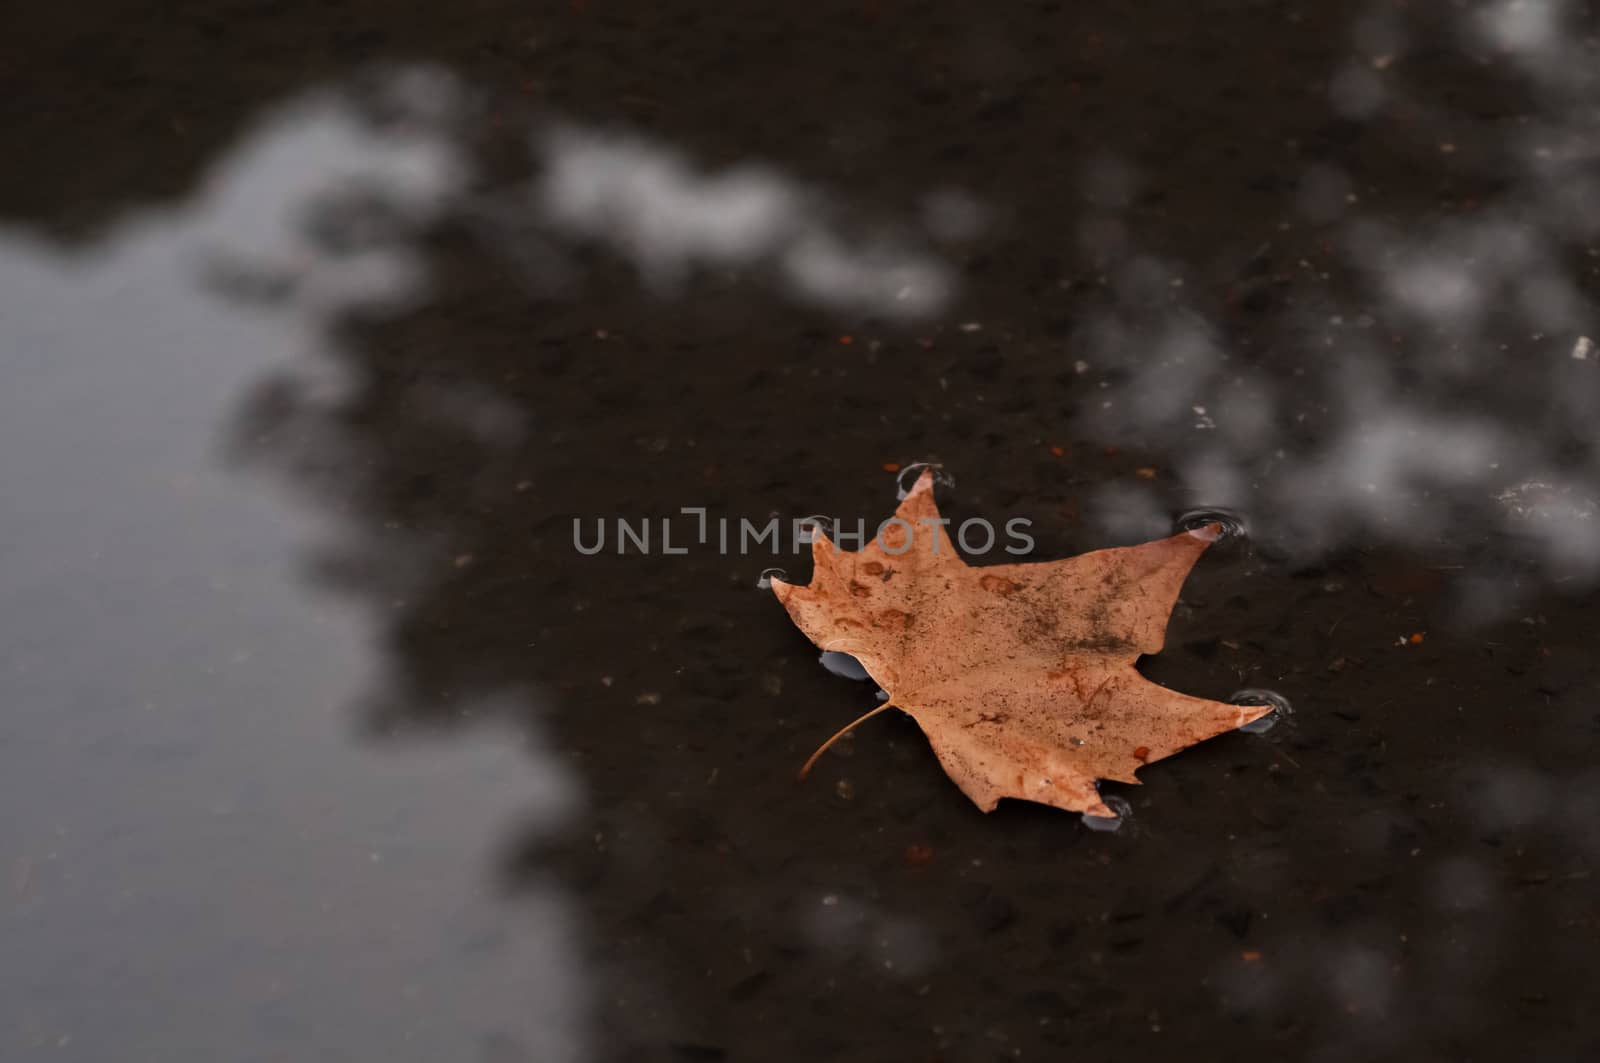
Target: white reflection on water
{"x": 1528, "y": 29}
{"x": 1362, "y": 981}
{"x": 853, "y": 929}
{"x": 206, "y": 860}
{"x": 647, "y": 202}
{"x": 1429, "y": 370}
{"x": 1508, "y": 796}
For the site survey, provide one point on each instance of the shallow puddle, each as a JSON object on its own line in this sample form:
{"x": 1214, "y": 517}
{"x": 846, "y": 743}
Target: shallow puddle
{"x": 331, "y": 337}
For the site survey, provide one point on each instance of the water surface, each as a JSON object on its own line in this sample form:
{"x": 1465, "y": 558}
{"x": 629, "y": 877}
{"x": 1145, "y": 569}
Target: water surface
{"x": 320, "y": 327}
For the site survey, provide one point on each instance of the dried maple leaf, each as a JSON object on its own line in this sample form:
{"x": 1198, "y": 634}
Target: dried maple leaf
{"x": 1022, "y": 676}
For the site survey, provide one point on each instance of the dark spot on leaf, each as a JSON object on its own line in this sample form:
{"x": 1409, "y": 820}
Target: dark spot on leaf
{"x": 999, "y": 585}
{"x": 893, "y": 618}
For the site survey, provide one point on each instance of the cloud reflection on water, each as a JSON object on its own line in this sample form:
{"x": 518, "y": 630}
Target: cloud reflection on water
{"x": 1360, "y": 454}
{"x": 1424, "y": 374}
{"x": 645, "y": 201}
{"x": 208, "y": 866}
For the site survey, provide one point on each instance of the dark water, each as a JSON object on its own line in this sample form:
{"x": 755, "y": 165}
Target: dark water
{"x": 320, "y": 324}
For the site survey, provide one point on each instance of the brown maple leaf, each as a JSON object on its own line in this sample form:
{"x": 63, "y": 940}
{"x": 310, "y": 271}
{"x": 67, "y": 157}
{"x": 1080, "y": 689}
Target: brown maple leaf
{"x": 1022, "y": 676}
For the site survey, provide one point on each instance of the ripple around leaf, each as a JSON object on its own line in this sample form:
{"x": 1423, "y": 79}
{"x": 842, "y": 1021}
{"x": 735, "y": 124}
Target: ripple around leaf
{"x": 1281, "y": 709}
{"x": 1232, "y": 524}
{"x": 1110, "y": 824}
{"x": 914, "y": 470}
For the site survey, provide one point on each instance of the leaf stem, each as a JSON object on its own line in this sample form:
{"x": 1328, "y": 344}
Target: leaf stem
{"x": 805, "y": 769}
